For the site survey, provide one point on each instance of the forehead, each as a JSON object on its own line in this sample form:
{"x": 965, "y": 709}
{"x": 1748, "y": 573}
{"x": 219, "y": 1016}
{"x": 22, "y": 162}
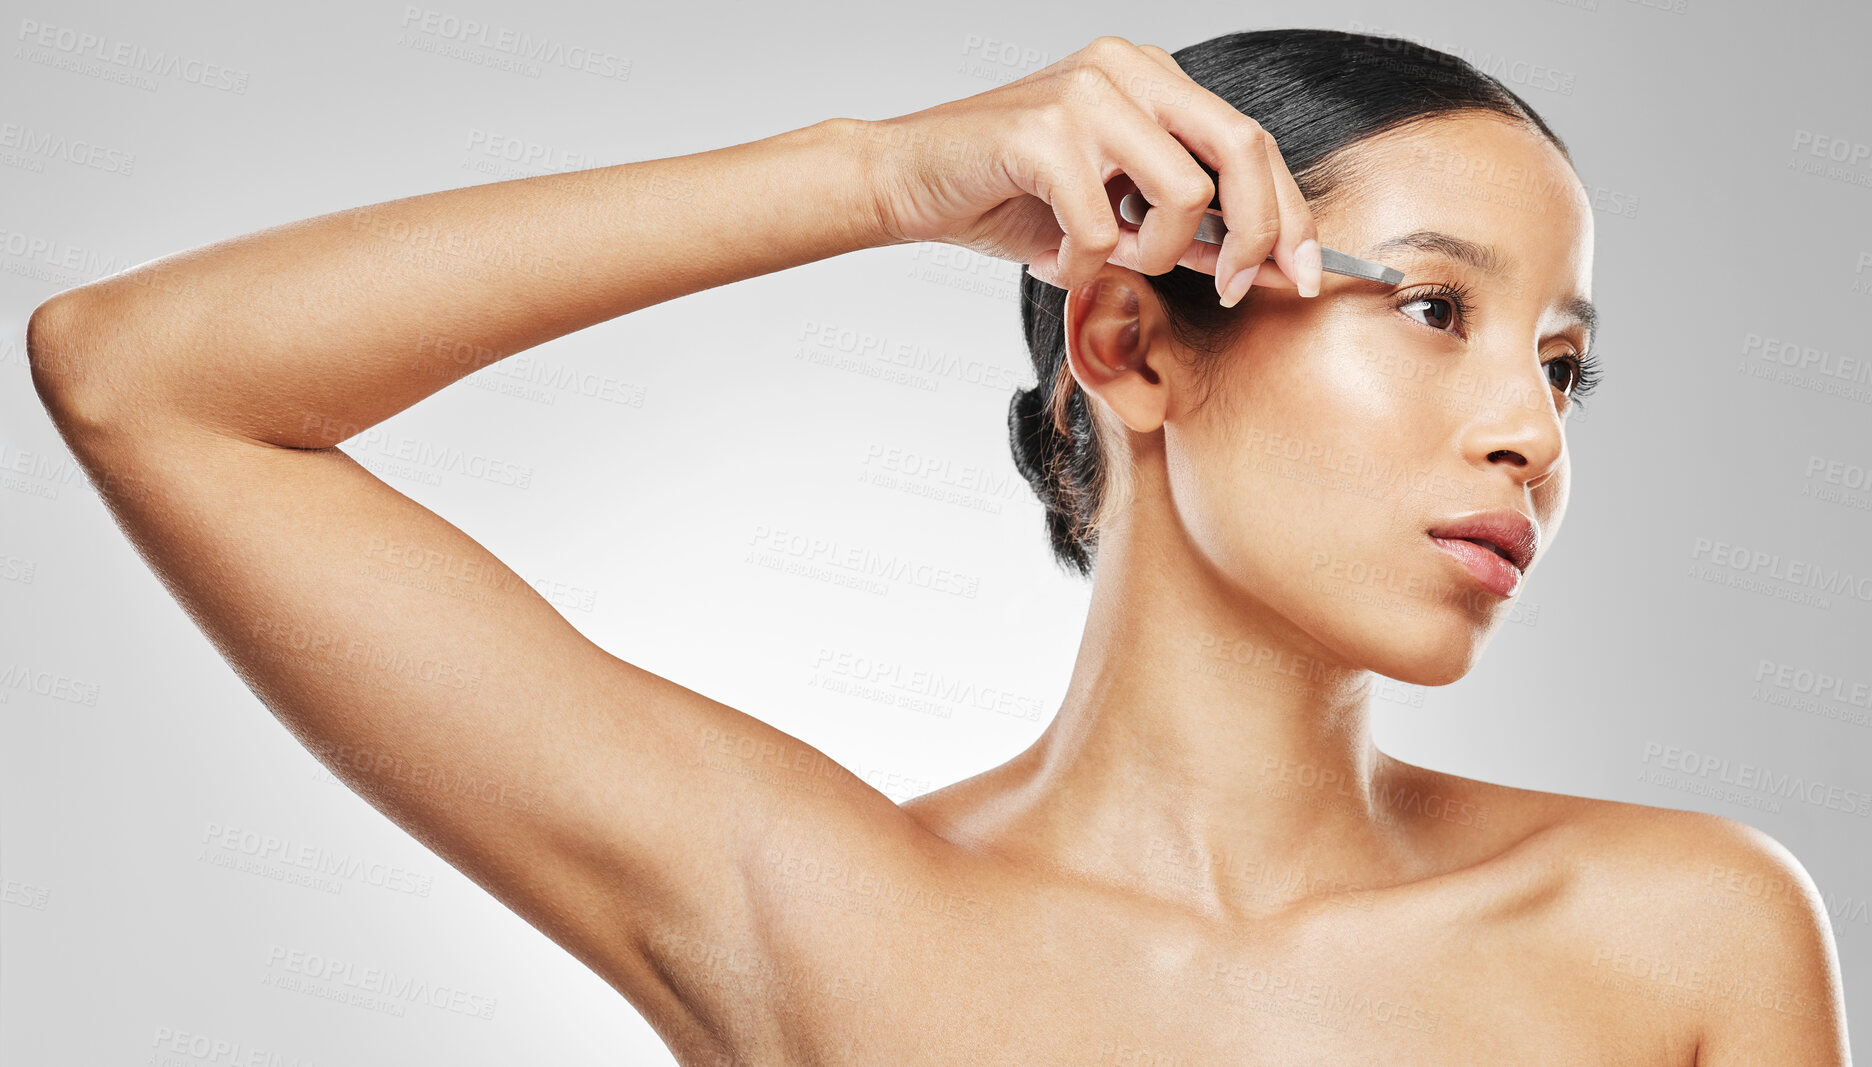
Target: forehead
{"x": 1478, "y": 177}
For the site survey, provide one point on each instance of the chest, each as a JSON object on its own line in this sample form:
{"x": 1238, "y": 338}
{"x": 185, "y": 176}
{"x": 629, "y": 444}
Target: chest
{"x": 1015, "y": 981}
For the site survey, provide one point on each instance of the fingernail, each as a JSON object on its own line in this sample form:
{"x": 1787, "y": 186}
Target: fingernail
{"x": 1307, "y": 262}
{"x": 1238, "y": 285}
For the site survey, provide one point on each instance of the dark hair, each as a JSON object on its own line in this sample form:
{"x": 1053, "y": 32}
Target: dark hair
{"x": 1315, "y": 92}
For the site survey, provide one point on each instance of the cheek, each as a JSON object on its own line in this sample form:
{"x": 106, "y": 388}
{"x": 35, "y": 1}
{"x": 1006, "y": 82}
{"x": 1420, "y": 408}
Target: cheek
{"x": 1330, "y": 414}
{"x": 1384, "y": 381}
{"x": 1345, "y": 370}
{"x": 1550, "y": 500}
{"x": 1288, "y": 468}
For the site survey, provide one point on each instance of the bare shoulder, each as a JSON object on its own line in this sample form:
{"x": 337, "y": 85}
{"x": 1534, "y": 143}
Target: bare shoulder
{"x": 1690, "y": 912}
{"x": 1639, "y": 864}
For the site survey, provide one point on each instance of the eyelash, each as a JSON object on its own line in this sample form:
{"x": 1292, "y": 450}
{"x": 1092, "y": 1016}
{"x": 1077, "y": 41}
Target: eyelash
{"x": 1586, "y": 372}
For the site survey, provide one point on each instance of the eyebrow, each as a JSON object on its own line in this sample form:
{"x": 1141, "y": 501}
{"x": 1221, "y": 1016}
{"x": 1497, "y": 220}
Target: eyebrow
{"x": 1485, "y": 259}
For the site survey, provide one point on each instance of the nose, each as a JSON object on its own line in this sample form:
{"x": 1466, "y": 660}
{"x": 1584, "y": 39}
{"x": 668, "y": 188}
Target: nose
{"x": 1517, "y": 428}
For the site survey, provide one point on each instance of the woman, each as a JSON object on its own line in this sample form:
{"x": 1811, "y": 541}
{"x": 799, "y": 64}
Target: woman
{"x": 1204, "y": 859}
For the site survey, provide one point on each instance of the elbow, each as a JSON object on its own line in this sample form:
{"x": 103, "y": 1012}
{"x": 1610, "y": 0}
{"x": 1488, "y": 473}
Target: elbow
{"x": 61, "y": 344}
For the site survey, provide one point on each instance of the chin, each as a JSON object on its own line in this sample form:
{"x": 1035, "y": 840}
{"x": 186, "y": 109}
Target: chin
{"x": 1424, "y": 651}
{"x": 1432, "y": 673}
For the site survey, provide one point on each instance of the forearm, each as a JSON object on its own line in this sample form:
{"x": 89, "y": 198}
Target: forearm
{"x": 308, "y": 333}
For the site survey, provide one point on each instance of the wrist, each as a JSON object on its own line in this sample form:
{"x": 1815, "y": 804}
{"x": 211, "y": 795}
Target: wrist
{"x": 873, "y": 151}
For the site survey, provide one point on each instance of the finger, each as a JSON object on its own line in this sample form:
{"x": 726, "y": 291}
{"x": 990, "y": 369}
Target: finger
{"x": 1197, "y": 255}
{"x": 1045, "y": 267}
{"x": 1212, "y": 259}
{"x": 1250, "y": 204}
{"x": 1134, "y": 139}
{"x": 1298, "y": 267}
{"x": 1089, "y": 230}
{"x": 1292, "y": 252}
{"x": 1202, "y": 256}
{"x": 1164, "y": 58}
{"x": 1129, "y": 141}
{"x": 1249, "y": 172}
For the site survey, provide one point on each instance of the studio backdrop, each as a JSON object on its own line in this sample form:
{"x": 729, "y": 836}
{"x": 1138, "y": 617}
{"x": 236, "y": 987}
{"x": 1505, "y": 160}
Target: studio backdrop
{"x": 795, "y": 495}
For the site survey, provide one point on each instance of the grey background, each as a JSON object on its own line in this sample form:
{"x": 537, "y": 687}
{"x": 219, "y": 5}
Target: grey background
{"x": 146, "y": 767}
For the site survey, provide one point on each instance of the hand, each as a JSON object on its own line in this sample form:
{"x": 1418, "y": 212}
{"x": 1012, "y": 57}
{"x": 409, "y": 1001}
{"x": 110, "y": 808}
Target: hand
{"x": 1032, "y": 171}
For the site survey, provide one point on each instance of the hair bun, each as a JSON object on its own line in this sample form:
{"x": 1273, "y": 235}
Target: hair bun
{"x": 1028, "y": 430}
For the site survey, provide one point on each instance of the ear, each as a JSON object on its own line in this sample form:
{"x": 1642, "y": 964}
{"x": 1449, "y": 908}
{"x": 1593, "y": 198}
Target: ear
{"x": 1118, "y": 346}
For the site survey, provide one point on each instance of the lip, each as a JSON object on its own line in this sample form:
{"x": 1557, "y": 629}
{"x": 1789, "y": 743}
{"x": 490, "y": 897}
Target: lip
{"x": 1495, "y": 546}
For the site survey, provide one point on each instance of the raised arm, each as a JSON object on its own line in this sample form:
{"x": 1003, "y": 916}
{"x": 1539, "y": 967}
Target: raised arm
{"x": 611, "y": 808}
{"x": 203, "y": 393}
{"x": 305, "y": 334}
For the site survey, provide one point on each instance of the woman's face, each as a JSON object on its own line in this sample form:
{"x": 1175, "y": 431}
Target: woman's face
{"x": 1343, "y": 428}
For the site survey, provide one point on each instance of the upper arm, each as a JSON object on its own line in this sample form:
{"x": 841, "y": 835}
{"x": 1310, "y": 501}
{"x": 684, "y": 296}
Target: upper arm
{"x": 597, "y": 800}
{"x": 1773, "y": 986}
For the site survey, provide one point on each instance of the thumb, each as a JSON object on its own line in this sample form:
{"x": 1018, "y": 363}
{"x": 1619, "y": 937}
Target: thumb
{"x": 1045, "y": 267}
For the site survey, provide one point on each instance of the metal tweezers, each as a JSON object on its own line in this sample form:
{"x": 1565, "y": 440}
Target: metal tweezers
{"x": 1211, "y": 231}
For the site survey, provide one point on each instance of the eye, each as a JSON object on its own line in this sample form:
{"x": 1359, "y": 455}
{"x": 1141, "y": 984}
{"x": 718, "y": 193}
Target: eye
{"x": 1443, "y": 316}
{"x": 1574, "y": 374}
{"x": 1568, "y": 366}
{"x": 1439, "y": 307}
{"x": 1577, "y": 374}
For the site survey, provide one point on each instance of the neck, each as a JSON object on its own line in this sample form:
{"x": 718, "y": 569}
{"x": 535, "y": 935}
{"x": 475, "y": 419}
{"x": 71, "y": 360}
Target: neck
{"x": 1206, "y": 749}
